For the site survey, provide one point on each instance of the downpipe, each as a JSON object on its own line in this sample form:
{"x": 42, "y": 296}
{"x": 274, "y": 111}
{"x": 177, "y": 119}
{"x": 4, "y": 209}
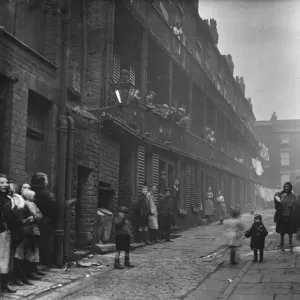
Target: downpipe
{"x": 62, "y": 131}
{"x": 69, "y": 169}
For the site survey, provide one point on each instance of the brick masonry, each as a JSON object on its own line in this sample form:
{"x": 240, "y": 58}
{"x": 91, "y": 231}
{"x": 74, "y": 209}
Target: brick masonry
{"x": 96, "y": 155}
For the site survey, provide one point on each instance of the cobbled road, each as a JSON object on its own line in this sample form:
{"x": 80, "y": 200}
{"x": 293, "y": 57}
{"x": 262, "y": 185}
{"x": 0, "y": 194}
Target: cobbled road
{"x": 163, "y": 271}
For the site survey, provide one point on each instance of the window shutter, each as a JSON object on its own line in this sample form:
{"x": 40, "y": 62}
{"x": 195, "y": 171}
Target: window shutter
{"x": 178, "y": 176}
{"x": 188, "y": 187}
{"x": 140, "y": 167}
{"x": 193, "y": 186}
{"x": 200, "y": 187}
{"x": 155, "y": 173}
{"x": 117, "y": 68}
{"x": 132, "y": 75}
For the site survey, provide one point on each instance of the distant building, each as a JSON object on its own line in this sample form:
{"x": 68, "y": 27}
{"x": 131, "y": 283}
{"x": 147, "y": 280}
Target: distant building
{"x": 282, "y": 138}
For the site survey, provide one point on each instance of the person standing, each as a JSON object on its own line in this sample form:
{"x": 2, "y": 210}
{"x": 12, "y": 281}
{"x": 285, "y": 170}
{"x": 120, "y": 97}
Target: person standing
{"x": 8, "y": 220}
{"x": 153, "y": 216}
{"x": 221, "y": 208}
{"x": 285, "y": 216}
{"x": 176, "y": 198}
{"x": 143, "y": 212}
{"x": 297, "y": 211}
{"x": 234, "y": 235}
{"x": 27, "y": 251}
{"x": 47, "y": 205}
{"x": 166, "y": 214}
{"x": 258, "y": 234}
{"x": 209, "y": 205}
{"x": 123, "y": 233}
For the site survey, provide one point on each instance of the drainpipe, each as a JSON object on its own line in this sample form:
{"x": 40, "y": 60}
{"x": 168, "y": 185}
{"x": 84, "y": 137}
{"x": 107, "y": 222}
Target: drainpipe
{"x": 84, "y": 57}
{"x": 70, "y": 149}
{"x": 62, "y": 132}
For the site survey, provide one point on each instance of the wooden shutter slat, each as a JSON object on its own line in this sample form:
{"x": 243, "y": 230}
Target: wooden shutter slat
{"x": 155, "y": 173}
{"x": 179, "y": 166}
{"x": 193, "y": 186}
{"x": 140, "y": 167}
{"x": 188, "y": 187}
{"x": 117, "y": 68}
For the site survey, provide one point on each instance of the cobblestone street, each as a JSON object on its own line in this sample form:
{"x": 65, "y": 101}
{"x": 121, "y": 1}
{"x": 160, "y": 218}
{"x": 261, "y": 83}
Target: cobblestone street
{"x": 163, "y": 271}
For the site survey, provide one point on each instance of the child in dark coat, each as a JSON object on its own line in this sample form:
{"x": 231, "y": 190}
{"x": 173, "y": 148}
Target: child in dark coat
{"x": 123, "y": 233}
{"x": 258, "y": 233}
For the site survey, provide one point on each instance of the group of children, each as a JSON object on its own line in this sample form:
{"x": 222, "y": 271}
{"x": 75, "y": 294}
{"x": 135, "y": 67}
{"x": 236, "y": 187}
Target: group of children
{"x": 257, "y": 232}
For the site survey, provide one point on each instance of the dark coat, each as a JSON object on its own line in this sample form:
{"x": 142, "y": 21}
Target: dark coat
{"x": 143, "y": 206}
{"x": 286, "y": 217}
{"x": 122, "y": 225}
{"x": 46, "y": 203}
{"x": 165, "y": 205}
{"x": 258, "y": 233}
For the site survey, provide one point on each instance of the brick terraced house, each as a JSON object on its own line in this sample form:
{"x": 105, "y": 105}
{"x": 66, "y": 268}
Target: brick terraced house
{"x": 110, "y": 154}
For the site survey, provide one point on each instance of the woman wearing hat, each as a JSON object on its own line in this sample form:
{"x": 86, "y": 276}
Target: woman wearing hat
{"x": 285, "y": 215}
{"x": 209, "y": 205}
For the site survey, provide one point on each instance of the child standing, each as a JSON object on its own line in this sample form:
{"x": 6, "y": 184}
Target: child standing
{"x": 123, "y": 233}
{"x": 258, "y": 233}
{"x": 234, "y": 235}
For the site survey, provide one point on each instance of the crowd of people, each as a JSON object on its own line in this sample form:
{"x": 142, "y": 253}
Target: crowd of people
{"x": 155, "y": 218}
{"x": 27, "y": 223}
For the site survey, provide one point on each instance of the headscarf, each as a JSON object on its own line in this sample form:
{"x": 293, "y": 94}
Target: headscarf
{"x": 290, "y": 187}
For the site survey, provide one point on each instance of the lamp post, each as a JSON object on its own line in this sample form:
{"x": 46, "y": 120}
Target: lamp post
{"x": 124, "y": 92}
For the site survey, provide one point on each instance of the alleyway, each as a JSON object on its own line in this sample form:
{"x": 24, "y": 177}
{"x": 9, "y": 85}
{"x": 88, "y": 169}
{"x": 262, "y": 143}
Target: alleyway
{"x": 163, "y": 271}
{"x": 194, "y": 266}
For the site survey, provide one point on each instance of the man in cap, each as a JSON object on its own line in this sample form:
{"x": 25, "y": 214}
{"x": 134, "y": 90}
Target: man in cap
{"x": 166, "y": 214}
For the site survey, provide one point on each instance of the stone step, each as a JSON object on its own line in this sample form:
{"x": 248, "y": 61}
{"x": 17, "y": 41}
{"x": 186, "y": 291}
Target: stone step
{"x": 136, "y": 245}
{"x": 105, "y": 248}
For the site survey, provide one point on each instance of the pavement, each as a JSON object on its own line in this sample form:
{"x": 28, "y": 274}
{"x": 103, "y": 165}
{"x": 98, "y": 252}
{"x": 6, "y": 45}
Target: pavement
{"x": 194, "y": 266}
{"x": 277, "y": 278}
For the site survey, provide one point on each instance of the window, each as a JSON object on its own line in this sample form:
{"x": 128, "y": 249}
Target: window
{"x": 285, "y": 158}
{"x": 285, "y": 178}
{"x": 36, "y": 131}
{"x": 285, "y": 139}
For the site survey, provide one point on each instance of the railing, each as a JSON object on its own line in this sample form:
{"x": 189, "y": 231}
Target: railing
{"x": 168, "y": 134}
{"x": 160, "y": 28}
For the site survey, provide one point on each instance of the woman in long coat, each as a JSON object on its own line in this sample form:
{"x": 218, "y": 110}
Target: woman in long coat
{"x": 27, "y": 251}
{"x": 221, "y": 208}
{"x": 285, "y": 215}
{"x": 209, "y": 205}
{"x": 48, "y": 207}
{"x": 8, "y": 221}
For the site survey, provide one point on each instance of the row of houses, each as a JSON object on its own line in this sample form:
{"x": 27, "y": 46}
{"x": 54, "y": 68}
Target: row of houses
{"x": 59, "y": 64}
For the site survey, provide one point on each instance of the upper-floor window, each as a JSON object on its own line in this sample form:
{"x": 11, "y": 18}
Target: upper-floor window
{"x": 285, "y": 158}
{"x": 284, "y": 139}
{"x": 285, "y": 178}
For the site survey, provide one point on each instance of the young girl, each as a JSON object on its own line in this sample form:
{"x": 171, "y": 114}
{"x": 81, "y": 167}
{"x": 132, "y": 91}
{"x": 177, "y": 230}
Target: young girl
{"x": 123, "y": 233}
{"x": 234, "y": 235}
{"x": 258, "y": 233}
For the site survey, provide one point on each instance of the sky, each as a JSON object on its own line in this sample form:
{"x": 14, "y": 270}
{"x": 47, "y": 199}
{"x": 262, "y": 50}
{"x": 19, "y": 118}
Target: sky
{"x": 263, "y": 37}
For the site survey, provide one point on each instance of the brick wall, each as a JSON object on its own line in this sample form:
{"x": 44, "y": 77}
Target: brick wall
{"x": 33, "y": 73}
{"x": 95, "y": 161}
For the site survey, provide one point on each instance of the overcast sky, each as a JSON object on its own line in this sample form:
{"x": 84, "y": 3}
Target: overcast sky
{"x": 263, "y": 37}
